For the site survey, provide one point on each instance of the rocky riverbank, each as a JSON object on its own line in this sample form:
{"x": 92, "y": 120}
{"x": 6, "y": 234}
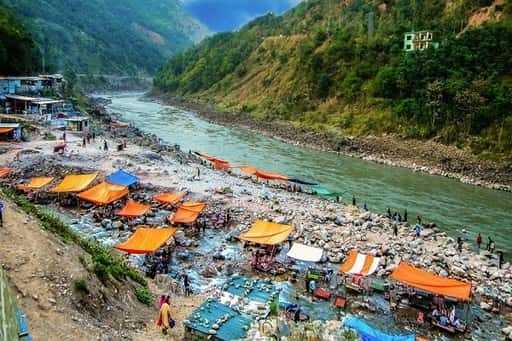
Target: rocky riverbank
{"x": 213, "y": 256}
{"x": 420, "y": 156}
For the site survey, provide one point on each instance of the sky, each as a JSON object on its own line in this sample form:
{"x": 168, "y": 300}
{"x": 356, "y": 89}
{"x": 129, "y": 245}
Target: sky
{"x": 228, "y": 15}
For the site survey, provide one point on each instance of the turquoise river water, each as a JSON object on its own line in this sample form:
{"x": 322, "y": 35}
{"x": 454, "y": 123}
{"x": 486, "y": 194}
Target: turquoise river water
{"x": 449, "y": 203}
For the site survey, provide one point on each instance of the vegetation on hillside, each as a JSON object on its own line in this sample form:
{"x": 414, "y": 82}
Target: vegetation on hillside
{"x": 108, "y": 37}
{"x": 340, "y": 66}
{"x": 18, "y": 53}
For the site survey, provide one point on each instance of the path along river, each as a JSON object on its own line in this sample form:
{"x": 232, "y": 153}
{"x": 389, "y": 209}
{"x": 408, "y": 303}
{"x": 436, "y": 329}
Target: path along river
{"x": 449, "y": 203}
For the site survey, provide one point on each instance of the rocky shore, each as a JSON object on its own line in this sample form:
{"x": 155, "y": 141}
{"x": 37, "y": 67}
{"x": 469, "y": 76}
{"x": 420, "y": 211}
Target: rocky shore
{"x": 420, "y": 156}
{"x": 335, "y": 227}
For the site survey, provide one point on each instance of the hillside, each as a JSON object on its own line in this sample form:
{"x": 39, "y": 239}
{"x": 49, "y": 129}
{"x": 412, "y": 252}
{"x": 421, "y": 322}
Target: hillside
{"x": 340, "y": 67}
{"x": 18, "y": 53}
{"x": 108, "y": 37}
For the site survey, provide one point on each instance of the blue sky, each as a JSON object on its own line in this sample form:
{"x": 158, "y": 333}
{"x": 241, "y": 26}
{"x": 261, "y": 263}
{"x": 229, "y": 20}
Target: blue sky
{"x": 228, "y": 15}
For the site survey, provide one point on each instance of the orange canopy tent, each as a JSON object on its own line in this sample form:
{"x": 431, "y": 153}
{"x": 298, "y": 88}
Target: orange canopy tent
{"x": 169, "y": 198}
{"x": 146, "y": 240}
{"x": 249, "y": 170}
{"x": 188, "y": 213}
{"x": 427, "y": 281}
{"x": 36, "y": 183}
{"x": 4, "y": 172}
{"x": 74, "y": 183}
{"x": 133, "y": 209}
{"x": 270, "y": 176}
{"x": 6, "y": 130}
{"x": 268, "y": 233}
{"x": 104, "y": 193}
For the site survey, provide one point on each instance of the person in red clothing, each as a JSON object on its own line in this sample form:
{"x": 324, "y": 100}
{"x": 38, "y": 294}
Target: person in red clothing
{"x": 479, "y": 240}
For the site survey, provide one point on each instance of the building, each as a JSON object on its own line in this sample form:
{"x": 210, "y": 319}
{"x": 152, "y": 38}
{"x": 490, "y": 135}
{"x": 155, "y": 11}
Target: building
{"x": 17, "y": 104}
{"x": 419, "y": 41}
{"x": 79, "y": 123}
{"x": 30, "y": 85}
{"x": 10, "y": 131}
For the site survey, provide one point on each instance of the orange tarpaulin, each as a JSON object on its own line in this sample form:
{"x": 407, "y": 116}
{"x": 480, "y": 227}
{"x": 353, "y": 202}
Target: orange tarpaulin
{"x": 188, "y": 212}
{"x": 270, "y": 176}
{"x": 6, "y": 130}
{"x": 146, "y": 240}
{"x": 133, "y": 209}
{"x": 4, "y": 172}
{"x": 218, "y": 165}
{"x": 74, "y": 183}
{"x": 427, "y": 281}
{"x": 169, "y": 198}
{"x": 36, "y": 183}
{"x": 268, "y": 233}
{"x": 249, "y": 170}
{"x": 104, "y": 193}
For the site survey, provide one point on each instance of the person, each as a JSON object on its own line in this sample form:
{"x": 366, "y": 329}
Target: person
{"x": 389, "y": 213}
{"x": 479, "y": 240}
{"x": 296, "y": 315}
{"x": 492, "y": 246}
{"x": 395, "y": 230}
{"x": 405, "y": 215}
{"x": 2, "y": 205}
{"x": 459, "y": 244}
{"x": 83, "y": 141}
{"x": 399, "y": 217}
{"x": 64, "y": 136}
{"x": 500, "y": 259}
{"x": 417, "y": 228}
{"x": 186, "y": 284}
{"x": 307, "y": 283}
{"x": 198, "y": 173}
{"x": 164, "y": 317}
{"x": 418, "y": 218}
{"x": 338, "y": 199}
{"x": 88, "y": 138}
{"x": 420, "y": 319}
{"x": 93, "y": 136}
{"x": 105, "y": 145}
{"x": 365, "y": 207}
{"x": 312, "y": 286}
{"x": 353, "y": 200}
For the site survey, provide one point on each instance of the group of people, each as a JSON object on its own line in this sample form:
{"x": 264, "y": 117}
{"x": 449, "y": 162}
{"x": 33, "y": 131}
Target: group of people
{"x": 447, "y": 318}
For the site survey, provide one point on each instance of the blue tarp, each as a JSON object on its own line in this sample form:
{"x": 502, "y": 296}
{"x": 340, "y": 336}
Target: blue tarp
{"x": 369, "y": 333}
{"x": 122, "y": 178}
{"x": 203, "y": 318}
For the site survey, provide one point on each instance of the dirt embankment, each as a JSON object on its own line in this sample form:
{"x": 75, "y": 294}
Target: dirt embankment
{"x": 423, "y": 156}
{"x": 43, "y": 270}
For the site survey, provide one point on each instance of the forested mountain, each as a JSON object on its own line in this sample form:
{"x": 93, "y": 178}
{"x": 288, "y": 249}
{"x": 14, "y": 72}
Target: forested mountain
{"x": 18, "y": 53}
{"x": 111, "y": 37}
{"x": 340, "y": 66}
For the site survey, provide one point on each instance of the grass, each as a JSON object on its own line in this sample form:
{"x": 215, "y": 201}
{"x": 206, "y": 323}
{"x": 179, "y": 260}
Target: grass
{"x": 80, "y": 285}
{"x": 144, "y": 295}
{"x": 106, "y": 264}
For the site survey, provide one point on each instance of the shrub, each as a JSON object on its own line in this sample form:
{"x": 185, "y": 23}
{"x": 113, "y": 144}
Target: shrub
{"x": 80, "y": 286}
{"x": 143, "y": 295}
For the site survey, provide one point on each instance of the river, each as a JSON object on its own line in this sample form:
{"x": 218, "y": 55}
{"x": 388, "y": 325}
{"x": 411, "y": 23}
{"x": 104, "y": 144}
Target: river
{"x": 447, "y": 202}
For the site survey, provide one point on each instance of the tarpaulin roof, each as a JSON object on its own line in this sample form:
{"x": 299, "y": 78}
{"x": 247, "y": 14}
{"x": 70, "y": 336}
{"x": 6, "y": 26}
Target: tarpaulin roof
{"x": 270, "y": 176}
{"x": 4, "y": 172}
{"x": 146, "y": 240}
{"x": 188, "y": 212}
{"x": 427, "y": 281}
{"x": 265, "y": 232}
{"x": 36, "y": 183}
{"x": 104, "y": 193}
{"x": 133, "y": 209}
{"x": 169, "y": 198}
{"x": 122, "y": 178}
{"x": 6, "y": 130}
{"x": 369, "y": 333}
{"x": 305, "y": 253}
{"x": 360, "y": 264}
{"x": 211, "y": 158}
{"x": 211, "y": 312}
{"x": 74, "y": 183}
{"x": 249, "y": 170}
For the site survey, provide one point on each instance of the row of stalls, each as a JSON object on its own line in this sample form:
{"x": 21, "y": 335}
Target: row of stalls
{"x": 414, "y": 294}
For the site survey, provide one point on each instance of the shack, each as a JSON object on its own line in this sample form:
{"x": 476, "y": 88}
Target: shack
{"x": 17, "y": 104}
{"x": 79, "y": 123}
{"x": 10, "y": 132}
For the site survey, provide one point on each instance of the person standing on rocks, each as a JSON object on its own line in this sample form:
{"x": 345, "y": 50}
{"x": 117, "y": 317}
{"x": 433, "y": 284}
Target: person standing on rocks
{"x": 479, "y": 241}
{"x": 353, "y": 200}
{"x": 405, "y": 215}
{"x": 395, "y": 230}
{"x": 186, "y": 284}
{"x": 2, "y": 206}
{"x": 365, "y": 207}
{"x": 459, "y": 244}
{"x": 83, "y": 142}
{"x": 389, "y": 213}
{"x": 105, "y": 145}
{"x": 500, "y": 259}
{"x": 417, "y": 228}
{"x": 489, "y": 242}
{"x": 418, "y": 218}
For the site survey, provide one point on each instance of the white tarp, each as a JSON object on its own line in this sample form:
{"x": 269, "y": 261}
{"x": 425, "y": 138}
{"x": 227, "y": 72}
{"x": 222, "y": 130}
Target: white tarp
{"x": 305, "y": 253}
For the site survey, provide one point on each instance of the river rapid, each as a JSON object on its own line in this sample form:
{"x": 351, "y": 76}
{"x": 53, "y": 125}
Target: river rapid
{"x": 455, "y": 207}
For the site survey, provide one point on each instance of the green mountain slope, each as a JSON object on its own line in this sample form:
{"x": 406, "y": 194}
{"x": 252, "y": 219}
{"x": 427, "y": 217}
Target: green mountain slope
{"x": 18, "y": 53}
{"x": 111, "y": 37}
{"x": 340, "y": 66}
